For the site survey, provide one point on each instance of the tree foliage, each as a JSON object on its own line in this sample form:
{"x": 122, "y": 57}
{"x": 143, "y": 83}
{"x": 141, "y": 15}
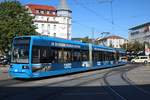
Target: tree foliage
{"x": 84, "y": 39}
{"x": 133, "y": 46}
{"x": 14, "y": 21}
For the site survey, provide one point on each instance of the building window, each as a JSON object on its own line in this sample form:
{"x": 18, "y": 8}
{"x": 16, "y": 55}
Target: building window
{"x": 42, "y": 25}
{"x": 36, "y": 25}
{"x": 42, "y": 11}
{"x": 64, "y": 19}
{"x": 37, "y": 17}
{"x": 42, "y": 17}
{"x": 54, "y": 18}
{"x": 48, "y": 12}
{"x": 37, "y": 11}
{"x": 42, "y": 28}
{"x": 134, "y": 33}
{"x": 54, "y": 34}
{"x": 54, "y": 27}
{"x": 45, "y": 12}
{"x": 53, "y": 13}
{"x": 47, "y": 19}
{"x": 48, "y": 27}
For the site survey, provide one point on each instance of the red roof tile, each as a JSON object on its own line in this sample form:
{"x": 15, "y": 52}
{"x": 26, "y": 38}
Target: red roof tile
{"x": 35, "y": 7}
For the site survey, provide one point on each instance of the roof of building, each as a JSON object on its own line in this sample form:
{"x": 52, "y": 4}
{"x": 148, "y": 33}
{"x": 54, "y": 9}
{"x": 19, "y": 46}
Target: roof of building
{"x": 63, "y": 5}
{"x": 35, "y": 7}
{"x": 110, "y": 37}
{"x": 140, "y": 26}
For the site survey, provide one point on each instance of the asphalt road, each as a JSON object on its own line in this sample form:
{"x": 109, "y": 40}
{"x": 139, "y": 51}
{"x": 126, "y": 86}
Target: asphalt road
{"x": 105, "y": 84}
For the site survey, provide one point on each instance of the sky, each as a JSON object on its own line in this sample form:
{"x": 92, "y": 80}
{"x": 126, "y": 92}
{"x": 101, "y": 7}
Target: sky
{"x": 98, "y": 16}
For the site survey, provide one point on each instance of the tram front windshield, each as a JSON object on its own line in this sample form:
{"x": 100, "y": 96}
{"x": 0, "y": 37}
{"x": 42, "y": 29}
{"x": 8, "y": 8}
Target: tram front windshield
{"x": 20, "y": 53}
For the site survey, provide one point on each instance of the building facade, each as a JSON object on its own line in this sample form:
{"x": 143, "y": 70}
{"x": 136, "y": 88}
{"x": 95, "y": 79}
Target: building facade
{"x": 140, "y": 33}
{"x": 51, "y": 21}
{"x": 112, "y": 41}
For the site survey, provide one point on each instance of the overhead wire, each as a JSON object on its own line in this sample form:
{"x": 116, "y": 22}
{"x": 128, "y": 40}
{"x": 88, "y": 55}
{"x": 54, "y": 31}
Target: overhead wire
{"x": 97, "y": 14}
{"x": 92, "y": 11}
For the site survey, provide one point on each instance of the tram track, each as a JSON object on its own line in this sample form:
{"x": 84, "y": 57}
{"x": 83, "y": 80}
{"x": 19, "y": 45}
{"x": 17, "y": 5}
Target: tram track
{"x": 8, "y": 82}
{"x": 58, "y": 93}
{"x": 113, "y": 92}
{"x": 116, "y": 93}
{"x": 60, "y": 90}
{"x": 129, "y": 81}
{"x": 10, "y": 95}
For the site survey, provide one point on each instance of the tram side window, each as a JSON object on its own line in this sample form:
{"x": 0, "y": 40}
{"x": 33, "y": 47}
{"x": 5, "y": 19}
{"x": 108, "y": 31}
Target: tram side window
{"x": 106, "y": 56}
{"x": 102, "y": 56}
{"x": 76, "y": 55}
{"x": 41, "y": 54}
{"x": 67, "y": 56}
{"x": 85, "y": 55}
{"x": 95, "y": 56}
{"x": 112, "y": 56}
{"x": 45, "y": 55}
{"x": 54, "y": 55}
{"x": 60, "y": 55}
{"x": 35, "y": 55}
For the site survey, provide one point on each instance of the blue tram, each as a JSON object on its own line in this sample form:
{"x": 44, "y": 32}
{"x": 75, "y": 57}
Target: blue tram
{"x": 42, "y": 56}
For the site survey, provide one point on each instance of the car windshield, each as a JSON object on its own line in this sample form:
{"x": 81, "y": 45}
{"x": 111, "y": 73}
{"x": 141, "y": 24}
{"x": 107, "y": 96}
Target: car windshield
{"x": 136, "y": 58}
{"x": 20, "y": 53}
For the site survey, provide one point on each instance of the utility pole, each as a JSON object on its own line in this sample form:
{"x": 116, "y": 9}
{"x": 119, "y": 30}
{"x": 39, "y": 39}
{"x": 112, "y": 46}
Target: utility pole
{"x": 68, "y": 25}
{"x": 93, "y": 31}
{"x": 90, "y": 49}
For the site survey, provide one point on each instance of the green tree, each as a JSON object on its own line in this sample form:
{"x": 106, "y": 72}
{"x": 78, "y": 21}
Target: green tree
{"x": 14, "y": 21}
{"x": 86, "y": 40}
{"x": 133, "y": 46}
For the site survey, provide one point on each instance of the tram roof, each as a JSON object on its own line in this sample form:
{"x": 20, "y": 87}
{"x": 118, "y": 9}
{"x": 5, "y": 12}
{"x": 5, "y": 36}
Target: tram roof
{"x": 54, "y": 39}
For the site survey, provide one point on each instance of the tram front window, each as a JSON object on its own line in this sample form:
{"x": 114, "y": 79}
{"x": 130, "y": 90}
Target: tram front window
{"x": 20, "y": 54}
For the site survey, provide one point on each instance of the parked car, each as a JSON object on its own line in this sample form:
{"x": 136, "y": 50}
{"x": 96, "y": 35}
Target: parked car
{"x": 141, "y": 59}
{"x": 123, "y": 59}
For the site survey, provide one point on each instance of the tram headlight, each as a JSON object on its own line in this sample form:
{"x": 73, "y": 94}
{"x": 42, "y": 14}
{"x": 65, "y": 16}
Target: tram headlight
{"x": 25, "y": 67}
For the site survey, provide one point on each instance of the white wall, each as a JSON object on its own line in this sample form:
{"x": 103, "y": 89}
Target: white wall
{"x": 53, "y": 26}
{"x": 115, "y": 42}
{"x": 57, "y": 26}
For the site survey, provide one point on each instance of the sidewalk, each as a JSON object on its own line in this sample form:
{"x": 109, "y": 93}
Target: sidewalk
{"x": 4, "y": 68}
{"x": 140, "y": 75}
